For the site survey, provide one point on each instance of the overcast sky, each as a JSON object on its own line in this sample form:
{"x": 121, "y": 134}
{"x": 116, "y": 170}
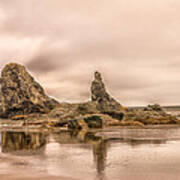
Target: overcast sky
{"x": 135, "y": 44}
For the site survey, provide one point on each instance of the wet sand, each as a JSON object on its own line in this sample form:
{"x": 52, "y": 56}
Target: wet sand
{"x": 15, "y": 177}
{"x": 122, "y": 177}
{"x": 116, "y": 154}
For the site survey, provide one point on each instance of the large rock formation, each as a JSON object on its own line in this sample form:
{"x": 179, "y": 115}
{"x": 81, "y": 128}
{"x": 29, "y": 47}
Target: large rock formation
{"x": 21, "y": 94}
{"x": 21, "y": 97}
{"x": 100, "y": 95}
{"x": 102, "y": 104}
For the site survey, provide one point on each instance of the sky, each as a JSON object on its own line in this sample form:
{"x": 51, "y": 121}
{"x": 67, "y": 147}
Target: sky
{"x": 134, "y": 44}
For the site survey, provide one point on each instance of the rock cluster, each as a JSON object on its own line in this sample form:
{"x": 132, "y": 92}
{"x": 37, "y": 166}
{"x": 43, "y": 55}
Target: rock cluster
{"x": 154, "y": 107}
{"x": 102, "y": 108}
{"x": 21, "y": 94}
{"x": 150, "y": 115}
{"x": 22, "y": 97}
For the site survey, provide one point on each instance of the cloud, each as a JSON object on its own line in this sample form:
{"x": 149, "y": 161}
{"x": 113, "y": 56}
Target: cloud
{"x": 134, "y": 44}
{"x": 50, "y": 56}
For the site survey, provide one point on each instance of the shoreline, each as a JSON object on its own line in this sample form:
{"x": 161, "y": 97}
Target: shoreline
{"x": 95, "y": 130}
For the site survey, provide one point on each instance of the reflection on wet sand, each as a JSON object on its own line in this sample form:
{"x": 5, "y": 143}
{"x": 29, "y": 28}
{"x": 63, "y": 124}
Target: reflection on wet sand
{"x": 134, "y": 142}
{"x": 98, "y": 144}
{"x": 34, "y": 141}
{"x": 83, "y": 155}
{"x": 17, "y": 141}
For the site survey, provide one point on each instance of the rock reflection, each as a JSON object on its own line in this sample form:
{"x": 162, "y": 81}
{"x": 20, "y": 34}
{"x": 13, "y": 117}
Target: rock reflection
{"x": 34, "y": 142}
{"x": 99, "y": 150}
{"x": 134, "y": 142}
{"x": 100, "y": 153}
{"x": 98, "y": 144}
{"x": 17, "y": 141}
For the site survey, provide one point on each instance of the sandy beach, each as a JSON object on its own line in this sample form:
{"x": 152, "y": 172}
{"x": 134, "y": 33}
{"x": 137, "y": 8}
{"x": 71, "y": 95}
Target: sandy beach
{"x": 15, "y": 177}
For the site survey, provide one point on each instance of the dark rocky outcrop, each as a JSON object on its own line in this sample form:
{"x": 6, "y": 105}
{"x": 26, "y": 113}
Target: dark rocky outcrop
{"x": 150, "y": 115}
{"x": 21, "y": 94}
{"x": 66, "y": 112}
{"x": 154, "y": 107}
{"x": 119, "y": 115}
{"x": 93, "y": 121}
{"x": 101, "y": 96}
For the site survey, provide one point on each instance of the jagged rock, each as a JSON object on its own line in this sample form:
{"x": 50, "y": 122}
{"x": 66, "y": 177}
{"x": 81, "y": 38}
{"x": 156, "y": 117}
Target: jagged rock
{"x": 100, "y": 95}
{"x": 21, "y": 93}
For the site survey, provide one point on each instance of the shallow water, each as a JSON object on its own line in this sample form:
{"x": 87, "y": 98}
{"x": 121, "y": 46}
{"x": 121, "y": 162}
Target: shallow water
{"x": 118, "y": 154}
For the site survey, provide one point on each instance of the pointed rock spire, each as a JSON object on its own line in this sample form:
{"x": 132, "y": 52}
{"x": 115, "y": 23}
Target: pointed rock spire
{"x": 21, "y": 94}
{"x": 100, "y": 95}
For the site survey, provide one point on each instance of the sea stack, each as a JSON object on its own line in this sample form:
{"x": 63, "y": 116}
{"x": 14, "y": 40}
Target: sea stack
{"x": 21, "y": 94}
{"x": 102, "y": 97}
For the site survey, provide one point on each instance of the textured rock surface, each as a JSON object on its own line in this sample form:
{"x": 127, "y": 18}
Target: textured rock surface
{"x": 92, "y": 121}
{"x": 154, "y": 107}
{"x": 21, "y": 93}
{"x": 22, "y": 98}
{"x": 100, "y": 95}
{"x": 152, "y": 114}
{"x": 66, "y": 112}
